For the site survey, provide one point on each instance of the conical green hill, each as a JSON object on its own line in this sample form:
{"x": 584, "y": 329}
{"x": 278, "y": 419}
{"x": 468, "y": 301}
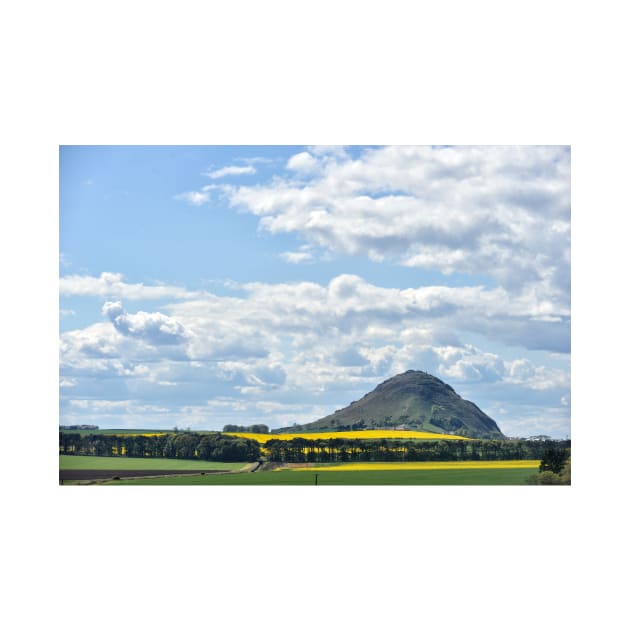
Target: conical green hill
{"x": 413, "y": 400}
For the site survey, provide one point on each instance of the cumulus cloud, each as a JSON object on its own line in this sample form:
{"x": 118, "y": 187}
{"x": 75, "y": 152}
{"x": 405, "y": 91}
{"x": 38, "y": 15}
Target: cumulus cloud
{"x": 96, "y": 341}
{"x": 154, "y": 328}
{"x": 314, "y": 344}
{"x": 469, "y": 364}
{"x": 303, "y": 163}
{"x": 293, "y": 317}
{"x": 503, "y": 212}
{"x": 296, "y": 351}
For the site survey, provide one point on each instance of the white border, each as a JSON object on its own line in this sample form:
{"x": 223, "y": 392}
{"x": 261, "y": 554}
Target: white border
{"x": 292, "y": 73}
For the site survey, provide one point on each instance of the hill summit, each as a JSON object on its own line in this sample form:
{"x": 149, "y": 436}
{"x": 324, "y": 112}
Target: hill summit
{"x": 412, "y": 400}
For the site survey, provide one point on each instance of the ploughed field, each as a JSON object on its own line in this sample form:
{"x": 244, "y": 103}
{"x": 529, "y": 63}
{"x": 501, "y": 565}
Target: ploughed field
{"x": 87, "y": 467}
{"x": 90, "y": 475}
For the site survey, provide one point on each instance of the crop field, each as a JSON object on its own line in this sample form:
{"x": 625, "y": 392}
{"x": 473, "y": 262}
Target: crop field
{"x": 89, "y": 462}
{"x": 375, "y": 477}
{"x": 85, "y": 468}
{"x": 530, "y": 464}
{"x": 372, "y": 434}
{"x": 125, "y": 432}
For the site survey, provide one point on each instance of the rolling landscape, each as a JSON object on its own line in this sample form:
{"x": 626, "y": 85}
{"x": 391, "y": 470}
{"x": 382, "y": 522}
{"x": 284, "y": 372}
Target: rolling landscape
{"x": 326, "y": 315}
{"x": 386, "y": 438}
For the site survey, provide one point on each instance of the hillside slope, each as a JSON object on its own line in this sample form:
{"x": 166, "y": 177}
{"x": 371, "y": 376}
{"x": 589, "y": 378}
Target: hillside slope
{"x": 416, "y": 400}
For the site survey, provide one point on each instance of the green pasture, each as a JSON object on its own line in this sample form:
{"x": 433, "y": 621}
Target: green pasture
{"x": 496, "y": 477}
{"x": 89, "y": 462}
{"x": 114, "y": 431}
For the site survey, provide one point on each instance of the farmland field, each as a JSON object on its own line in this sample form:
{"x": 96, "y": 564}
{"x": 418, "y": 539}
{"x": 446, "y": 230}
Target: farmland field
{"x": 531, "y": 464}
{"x": 306, "y": 477}
{"x": 126, "y": 432}
{"x": 89, "y": 462}
{"x": 371, "y": 434}
{"x": 85, "y": 468}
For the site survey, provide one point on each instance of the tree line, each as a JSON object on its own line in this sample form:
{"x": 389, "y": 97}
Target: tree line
{"x": 354, "y": 450}
{"x": 186, "y": 445}
{"x": 220, "y": 447}
{"x": 252, "y": 428}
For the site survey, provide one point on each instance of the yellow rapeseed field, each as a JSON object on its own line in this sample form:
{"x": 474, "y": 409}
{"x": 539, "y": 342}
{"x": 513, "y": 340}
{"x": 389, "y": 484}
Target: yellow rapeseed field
{"x": 374, "y": 434}
{"x": 472, "y": 465}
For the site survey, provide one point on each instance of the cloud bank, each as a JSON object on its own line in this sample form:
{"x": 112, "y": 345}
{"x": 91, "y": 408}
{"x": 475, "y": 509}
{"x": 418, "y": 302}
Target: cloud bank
{"x": 497, "y": 211}
{"x": 317, "y": 345}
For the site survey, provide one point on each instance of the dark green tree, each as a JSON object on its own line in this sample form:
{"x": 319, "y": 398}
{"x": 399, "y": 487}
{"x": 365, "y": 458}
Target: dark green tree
{"x": 553, "y": 460}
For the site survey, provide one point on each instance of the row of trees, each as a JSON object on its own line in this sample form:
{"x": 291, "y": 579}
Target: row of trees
{"x": 183, "y": 445}
{"x": 351, "y": 450}
{"x": 221, "y": 447}
{"x": 252, "y": 428}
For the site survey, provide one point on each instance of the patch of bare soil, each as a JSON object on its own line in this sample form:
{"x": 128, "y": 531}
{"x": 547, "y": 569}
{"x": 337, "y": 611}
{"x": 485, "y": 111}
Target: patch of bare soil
{"x": 88, "y": 475}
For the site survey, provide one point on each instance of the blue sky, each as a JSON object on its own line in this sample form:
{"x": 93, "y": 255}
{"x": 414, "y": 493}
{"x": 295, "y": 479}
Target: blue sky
{"x": 207, "y": 285}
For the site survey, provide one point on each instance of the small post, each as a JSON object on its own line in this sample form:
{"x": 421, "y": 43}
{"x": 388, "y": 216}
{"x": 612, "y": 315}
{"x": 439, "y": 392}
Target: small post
{"x": 315, "y": 478}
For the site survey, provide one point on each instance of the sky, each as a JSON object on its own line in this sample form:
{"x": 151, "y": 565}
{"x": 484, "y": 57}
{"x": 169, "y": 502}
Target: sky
{"x": 207, "y": 285}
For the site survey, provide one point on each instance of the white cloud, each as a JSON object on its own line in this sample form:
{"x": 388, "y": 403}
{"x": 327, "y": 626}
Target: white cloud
{"x": 230, "y": 170}
{"x": 328, "y": 150}
{"x": 257, "y": 160}
{"x": 109, "y": 406}
{"x": 526, "y": 421}
{"x": 290, "y": 318}
{"x": 194, "y": 197}
{"x": 112, "y": 285}
{"x": 154, "y": 328}
{"x": 523, "y": 372}
{"x": 296, "y": 257}
{"x": 98, "y": 405}
{"x": 303, "y": 162}
{"x": 498, "y": 211}
{"x": 470, "y": 365}
{"x": 311, "y": 345}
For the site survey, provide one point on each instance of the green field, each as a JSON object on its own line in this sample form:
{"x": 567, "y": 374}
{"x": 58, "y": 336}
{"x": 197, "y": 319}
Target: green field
{"x": 88, "y": 462}
{"x": 497, "y": 477}
{"x": 116, "y": 431}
